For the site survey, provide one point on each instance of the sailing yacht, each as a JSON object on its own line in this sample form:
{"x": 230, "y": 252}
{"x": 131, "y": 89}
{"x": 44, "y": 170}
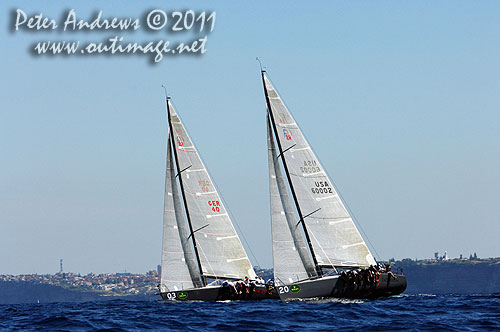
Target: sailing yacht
{"x": 317, "y": 250}
{"x": 202, "y": 255}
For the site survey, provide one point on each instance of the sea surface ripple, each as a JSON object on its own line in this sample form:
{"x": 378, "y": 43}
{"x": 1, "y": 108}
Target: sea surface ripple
{"x": 405, "y": 312}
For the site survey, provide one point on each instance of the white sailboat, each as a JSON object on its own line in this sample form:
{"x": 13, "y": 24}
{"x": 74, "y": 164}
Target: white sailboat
{"x": 312, "y": 230}
{"x": 201, "y": 248}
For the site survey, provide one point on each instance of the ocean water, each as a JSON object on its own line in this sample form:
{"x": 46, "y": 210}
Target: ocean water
{"x": 405, "y": 312}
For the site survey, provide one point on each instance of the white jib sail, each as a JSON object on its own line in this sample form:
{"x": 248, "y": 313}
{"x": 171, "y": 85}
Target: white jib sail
{"x": 178, "y": 267}
{"x": 335, "y": 238}
{"x": 219, "y": 247}
{"x": 291, "y": 260}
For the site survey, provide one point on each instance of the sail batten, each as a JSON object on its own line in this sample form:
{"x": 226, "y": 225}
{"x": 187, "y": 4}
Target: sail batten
{"x": 333, "y": 240}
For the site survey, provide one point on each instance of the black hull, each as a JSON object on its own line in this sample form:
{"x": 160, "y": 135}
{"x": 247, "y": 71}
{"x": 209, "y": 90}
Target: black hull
{"x": 338, "y": 287}
{"x": 217, "y": 293}
{"x": 326, "y": 287}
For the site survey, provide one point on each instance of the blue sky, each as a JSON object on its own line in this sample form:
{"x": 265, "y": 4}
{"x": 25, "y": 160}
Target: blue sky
{"x": 400, "y": 100}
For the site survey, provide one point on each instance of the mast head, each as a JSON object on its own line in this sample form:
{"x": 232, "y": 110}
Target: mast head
{"x": 166, "y": 94}
{"x": 262, "y": 70}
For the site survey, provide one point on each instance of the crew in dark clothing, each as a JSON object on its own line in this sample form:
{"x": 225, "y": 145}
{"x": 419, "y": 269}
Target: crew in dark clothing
{"x": 269, "y": 286}
{"x": 251, "y": 288}
{"x": 228, "y": 291}
{"x": 373, "y": 274}
{"x": 243, "y": 289}
{"x": 388, "y": 270}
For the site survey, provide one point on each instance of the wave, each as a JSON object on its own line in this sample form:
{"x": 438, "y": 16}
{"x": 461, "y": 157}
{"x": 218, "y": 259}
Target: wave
{"x": 405, "y": 312}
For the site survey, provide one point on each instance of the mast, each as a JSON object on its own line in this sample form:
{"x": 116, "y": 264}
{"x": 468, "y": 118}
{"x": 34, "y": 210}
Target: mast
{"x": 299, "y": 211}
{"x": 171, "y": 129}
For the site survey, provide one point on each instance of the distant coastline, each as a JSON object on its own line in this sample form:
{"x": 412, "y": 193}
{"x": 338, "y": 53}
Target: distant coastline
{"x": 71, "y": 287}
{"x": 26, "y": 292}
{"x": 430, "y": 276}
{"x": 452, "y": 276}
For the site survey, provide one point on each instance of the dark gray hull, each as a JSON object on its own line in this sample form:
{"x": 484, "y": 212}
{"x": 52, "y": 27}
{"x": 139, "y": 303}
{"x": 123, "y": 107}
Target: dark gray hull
{"x": 338, "y": 287}
{"x": 217, "y": 293}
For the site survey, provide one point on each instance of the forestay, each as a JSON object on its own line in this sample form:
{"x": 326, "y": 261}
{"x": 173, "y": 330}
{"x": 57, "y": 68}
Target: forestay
{"x": 178, "y": 267}
{"x": 291, "y": 258}
{"x": 334, "y": 237}
{"x": 220, "y": 250}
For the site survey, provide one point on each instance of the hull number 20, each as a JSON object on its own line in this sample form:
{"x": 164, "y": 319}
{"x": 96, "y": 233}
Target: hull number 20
{"x": 283, "y": 289}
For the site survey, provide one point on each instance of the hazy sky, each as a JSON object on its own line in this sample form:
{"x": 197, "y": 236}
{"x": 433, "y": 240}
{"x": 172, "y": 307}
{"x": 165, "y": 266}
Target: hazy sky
{"x": 400, "y": 100}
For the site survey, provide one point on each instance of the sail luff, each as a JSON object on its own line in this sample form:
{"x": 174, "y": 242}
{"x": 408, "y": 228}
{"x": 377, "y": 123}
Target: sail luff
{"x": 285, "y": 166}
{"x": 186, "y": 209}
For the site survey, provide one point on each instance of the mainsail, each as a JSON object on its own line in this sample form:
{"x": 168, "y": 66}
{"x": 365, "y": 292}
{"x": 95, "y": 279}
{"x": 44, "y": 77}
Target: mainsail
{"x": 218, "y": 248}
{"x": 334, "y": 238}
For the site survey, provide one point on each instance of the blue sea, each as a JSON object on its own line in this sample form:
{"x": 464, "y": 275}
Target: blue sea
{"x": 405, "y": 312}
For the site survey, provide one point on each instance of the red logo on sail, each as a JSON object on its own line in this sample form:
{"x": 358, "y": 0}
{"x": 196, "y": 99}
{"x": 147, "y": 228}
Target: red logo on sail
{"x": 287, "y": 134}
{"x": 180, "y": 141}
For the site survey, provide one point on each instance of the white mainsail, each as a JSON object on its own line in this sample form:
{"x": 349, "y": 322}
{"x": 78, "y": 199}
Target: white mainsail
{"x": 335, "y": 239}
{"x": 178, "y": 267}
{"x": 291, "y": 258}
{"x": 220, "y": 250}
